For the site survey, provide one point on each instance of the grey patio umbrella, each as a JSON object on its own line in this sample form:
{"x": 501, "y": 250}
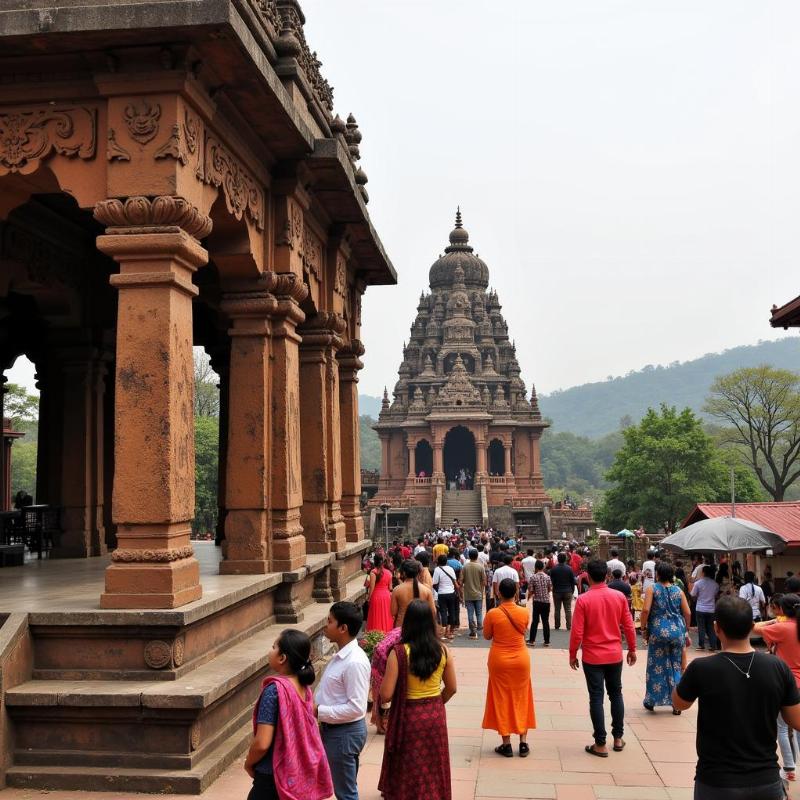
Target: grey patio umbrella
{"x": 724, "y": 535}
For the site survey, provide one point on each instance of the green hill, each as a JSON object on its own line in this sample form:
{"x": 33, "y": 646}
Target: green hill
{"x": 595, "y": 409}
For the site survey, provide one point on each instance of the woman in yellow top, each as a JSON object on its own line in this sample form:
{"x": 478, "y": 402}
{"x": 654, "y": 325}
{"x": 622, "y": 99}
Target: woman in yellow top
{"x": 509, "y": 695}
{"x": 416, "y": 736}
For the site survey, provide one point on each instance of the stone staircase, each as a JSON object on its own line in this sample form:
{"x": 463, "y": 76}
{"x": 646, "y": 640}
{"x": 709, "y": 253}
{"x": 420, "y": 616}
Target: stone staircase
{"x": 465, "y": 506}
{"x": 163, "y": 705}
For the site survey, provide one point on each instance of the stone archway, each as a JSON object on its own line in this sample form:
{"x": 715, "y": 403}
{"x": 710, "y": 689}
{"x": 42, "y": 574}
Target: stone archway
{"x": 497, "y": 464}
{"x": 459, "y": 451}
{"x": 423, "y": 458}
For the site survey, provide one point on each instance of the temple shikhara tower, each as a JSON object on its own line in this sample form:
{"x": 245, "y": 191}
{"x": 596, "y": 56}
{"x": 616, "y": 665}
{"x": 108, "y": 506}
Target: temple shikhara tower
{"x": 461, "y": 437}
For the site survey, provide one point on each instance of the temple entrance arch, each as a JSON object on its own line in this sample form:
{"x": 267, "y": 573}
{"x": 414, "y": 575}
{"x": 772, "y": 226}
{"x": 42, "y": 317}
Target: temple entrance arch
{"x": 497, "y": 464}
{"x": 459, "y": 452}
{"x": 423, "y": 459}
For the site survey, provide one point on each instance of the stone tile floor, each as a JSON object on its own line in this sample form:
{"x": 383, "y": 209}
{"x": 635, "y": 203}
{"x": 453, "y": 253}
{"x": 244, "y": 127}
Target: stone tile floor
{"x": 657, "y": 764}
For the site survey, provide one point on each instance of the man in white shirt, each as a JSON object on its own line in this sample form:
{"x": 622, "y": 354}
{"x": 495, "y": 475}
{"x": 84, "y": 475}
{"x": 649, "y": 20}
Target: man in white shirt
{"x": 614, "y": 563}
{"x": 529, "y": 565}
{"x": 341, "y": 699}
{"x": 483, "y": 557}
{"x": 506, "y": 571}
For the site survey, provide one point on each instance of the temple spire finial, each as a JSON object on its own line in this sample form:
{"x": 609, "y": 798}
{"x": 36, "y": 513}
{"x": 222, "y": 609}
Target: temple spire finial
{"x": 459, "y": 224}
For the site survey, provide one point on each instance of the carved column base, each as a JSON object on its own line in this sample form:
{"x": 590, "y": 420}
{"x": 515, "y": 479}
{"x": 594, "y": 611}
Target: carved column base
{"x": 288, "y": 542}
{"x": 246, "y": 532}
{"x": 152, "y": 568}
{"x": 353, "y": 519}
{"x": 322, "y": 586}
{"x": 288, "y": 602}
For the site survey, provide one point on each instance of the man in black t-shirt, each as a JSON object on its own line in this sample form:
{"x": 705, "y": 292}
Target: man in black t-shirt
{"x": 620, "y": 585}
{"x": 741, "y": 693}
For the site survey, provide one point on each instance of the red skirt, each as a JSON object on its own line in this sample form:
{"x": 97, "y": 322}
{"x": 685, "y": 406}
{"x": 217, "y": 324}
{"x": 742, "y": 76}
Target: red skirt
{"x": 419, "y": 767}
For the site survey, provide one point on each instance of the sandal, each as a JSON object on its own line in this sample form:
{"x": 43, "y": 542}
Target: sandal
{"x": 790, "y": 774}
{"x": 505, "y": 750}
{"x": 591, "y": 751}
{"x": 524, "y": 750}
{"x": 649, "y": 707}
{"x": 618, "y": 748}
{"x": 676, "y": 712}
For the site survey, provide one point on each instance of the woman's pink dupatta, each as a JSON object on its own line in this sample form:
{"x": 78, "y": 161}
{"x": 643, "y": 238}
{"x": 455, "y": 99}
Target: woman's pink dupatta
{"x": 300, "y": 765}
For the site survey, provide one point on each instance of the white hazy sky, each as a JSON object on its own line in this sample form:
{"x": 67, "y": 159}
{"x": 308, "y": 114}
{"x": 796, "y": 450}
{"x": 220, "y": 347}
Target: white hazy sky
{"x": 629, "y": 169}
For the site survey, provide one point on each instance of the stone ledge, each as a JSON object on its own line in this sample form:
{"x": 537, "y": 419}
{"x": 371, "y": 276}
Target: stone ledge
{"x": 199, "y": 689}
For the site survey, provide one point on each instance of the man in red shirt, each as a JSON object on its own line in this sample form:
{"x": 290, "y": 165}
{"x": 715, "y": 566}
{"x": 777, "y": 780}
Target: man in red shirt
{"x": 596, "y": 621}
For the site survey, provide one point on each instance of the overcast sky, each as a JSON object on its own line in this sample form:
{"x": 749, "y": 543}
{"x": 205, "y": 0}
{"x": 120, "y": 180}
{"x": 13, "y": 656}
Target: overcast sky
{"x": 628, "y": 169}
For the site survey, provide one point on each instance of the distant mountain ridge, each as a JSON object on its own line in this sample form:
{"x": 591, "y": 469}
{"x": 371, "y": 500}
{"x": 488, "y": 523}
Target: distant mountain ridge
{"x": 595, "y": 409}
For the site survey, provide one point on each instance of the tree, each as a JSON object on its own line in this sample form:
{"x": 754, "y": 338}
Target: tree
{"x": 666, "y": 464}
{"x": 206, "y": 393}
{"x": 206, "y": 457}
{"x": 19, "y": 406}
{"x": 760, "y": 408}
{"x": 23, "y": 467}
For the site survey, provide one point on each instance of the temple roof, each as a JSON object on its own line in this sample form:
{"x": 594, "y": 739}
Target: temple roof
{"x": 459, "y": 360}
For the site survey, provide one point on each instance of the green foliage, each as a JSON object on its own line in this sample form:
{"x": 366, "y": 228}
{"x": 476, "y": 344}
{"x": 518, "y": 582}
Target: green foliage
{"x": 666, "y": 464}
{"x": 23, "y": 467}
{"x": 370, "y": 641}
{"x": 759, "y": 411}
{"x": 206, "y": 444}
{"x": 595, "y": 409}
{"x": 19, "y": 406}
{"x": 370, "y": 444}
{"x": 206, "y": 392}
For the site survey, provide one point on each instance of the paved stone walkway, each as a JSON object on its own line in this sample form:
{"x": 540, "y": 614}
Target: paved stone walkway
{"x": 657, "y": 764}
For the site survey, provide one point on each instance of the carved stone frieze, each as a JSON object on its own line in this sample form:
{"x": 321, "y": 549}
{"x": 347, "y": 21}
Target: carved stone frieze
{"x": 242, "y": 192}
{"x": 183, "y": 142}
{"x": 292, "y": 43}
{"x": 142, "y": 212}
{"x": 142, "y": 119}
{"x": 114, "y": 151}
{"x": 150, "y": 556}
{"x": 29, "y": 135}
{"x": 178, "y": 651}
{"x": 158, "y": 654}
{"x": 340, "y": 281}
{"x": 311, "y": 254}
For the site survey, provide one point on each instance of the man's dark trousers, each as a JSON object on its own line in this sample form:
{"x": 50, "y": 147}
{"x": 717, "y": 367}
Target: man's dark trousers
{"x": 540, "y": 611}
{"x": 610, "y": 675}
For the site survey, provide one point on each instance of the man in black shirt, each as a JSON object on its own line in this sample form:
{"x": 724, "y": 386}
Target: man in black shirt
{"x": 563, "y": 579}
{"x": 741, "y": 693}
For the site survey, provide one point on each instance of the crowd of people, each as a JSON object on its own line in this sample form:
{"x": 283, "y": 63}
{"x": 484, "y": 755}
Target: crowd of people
{"x": 415, "y": 593}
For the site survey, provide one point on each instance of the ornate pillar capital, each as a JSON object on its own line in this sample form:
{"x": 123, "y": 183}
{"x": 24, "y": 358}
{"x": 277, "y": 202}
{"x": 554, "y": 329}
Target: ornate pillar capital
{"x": 163, "y": 214}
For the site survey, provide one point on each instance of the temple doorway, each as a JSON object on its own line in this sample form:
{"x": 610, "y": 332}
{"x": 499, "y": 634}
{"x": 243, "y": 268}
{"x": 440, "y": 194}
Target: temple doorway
{"x": 497, "y": 462}
{"x": 423, "y": 459}
{"x": 459, "y": 454}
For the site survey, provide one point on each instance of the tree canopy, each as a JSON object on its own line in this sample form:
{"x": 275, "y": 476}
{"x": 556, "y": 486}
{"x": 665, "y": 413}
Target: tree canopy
{"x": 666, "y": 464}
{"x": 759, "y": 409}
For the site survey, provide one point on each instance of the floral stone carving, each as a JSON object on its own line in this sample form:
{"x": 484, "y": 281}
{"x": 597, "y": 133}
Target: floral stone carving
{"x": 29, "y": 135}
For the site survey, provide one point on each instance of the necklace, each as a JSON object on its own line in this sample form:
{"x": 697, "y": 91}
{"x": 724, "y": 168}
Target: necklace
{"x": 747, "y": 673}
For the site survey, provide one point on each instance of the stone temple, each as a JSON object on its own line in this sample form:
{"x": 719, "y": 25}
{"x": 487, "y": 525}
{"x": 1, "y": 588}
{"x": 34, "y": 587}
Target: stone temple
{"x": 461, "y": 437}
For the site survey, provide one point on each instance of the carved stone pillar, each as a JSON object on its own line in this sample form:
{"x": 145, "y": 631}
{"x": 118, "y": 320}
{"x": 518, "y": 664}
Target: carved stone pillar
{"x": 480, "y": 458}
{"x": 349, "y": 365}
{"x": 411, "y": 446}
{"x": 383, "y": 481}
{"x": 320, "y": 433}
{"x": 507, "y": 456}
{"x": 438, "y": 462}
{"x": 247, "y": 478}
{"x": 288, "y": 542}
{"x": 80, "y": 494}
{"x": 157, "y": 248}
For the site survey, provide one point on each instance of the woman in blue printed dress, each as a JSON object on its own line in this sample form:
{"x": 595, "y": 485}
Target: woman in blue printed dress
{"x": 665, "y": 623}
